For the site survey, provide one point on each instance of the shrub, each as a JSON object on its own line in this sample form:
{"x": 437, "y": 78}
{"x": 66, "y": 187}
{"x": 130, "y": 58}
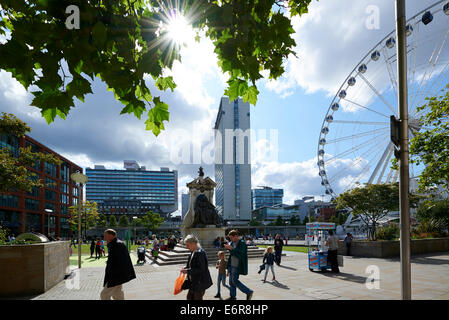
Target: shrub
{"x": 429, "y": 228}
{"x": 389, "y": 232}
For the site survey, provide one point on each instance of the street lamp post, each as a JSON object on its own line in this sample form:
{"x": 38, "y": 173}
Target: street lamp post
{"x": 79, "y": 178}
{"x": 403, "y": 151}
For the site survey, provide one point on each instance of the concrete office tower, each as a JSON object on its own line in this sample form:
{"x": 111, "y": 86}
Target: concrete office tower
{"x": 133, "y": 191}
{"x": 232, "y": 161}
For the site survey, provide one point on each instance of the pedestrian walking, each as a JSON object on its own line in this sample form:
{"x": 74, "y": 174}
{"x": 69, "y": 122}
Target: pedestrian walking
{"x": 103, "y": 251}
{"x": 217, "y": 243}
{"x": 348, "y": 242}
{"x": 268, "y": 261}
{"x": 97, "y": 249}
{"x": 221, "y": 266}
{"x": 92, "y": 247}
{"x": 332, "y": 243}
{"x": 278, "y": 244}
{"x": 198, "y": 278}
{"x": 222, "y": 242}
{"x": 119, "y": 268}
{"x": 237, "y": 265}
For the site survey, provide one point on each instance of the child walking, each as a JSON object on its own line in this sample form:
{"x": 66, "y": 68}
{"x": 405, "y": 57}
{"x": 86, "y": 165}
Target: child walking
{"x": 221, "y": 266}
{"x": 268, "y": 260}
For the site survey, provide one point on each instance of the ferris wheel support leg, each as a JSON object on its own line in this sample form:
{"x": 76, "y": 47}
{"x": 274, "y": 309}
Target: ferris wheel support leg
{"x": 404, "y": 153}
{"x": 379, "y": 164}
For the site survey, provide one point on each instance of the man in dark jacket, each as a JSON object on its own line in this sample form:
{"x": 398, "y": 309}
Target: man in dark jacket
{"x": 278, "y": 244}
{"x": 198, "y": 275}
{"x": 119, "y": 268}
{"x": 237, "y": 265}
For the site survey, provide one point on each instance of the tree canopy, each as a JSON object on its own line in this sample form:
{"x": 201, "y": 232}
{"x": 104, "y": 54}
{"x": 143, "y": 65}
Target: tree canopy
{"x": 372, "y": 202}
{"x": 89, "y": 216}
{"x": 430, "y": 146}
{"x": 152, "y": 221}
{"x": 122, "y": 41}
{"x": 113, "y": 221}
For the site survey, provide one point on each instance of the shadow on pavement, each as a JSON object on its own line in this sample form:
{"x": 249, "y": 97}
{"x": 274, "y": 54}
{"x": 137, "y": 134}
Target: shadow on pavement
{"x": 429, "y": 260}
{"x": 289, "y": 268}
{"x": 279, "y": 285}
{"x": 344, "y": 276}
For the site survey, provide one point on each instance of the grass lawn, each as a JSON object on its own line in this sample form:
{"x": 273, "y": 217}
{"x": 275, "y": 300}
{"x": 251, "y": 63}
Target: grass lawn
{"x": 85, "y": 249}
{"x": 288, "y": 248}
{"x": 87, "y": 261}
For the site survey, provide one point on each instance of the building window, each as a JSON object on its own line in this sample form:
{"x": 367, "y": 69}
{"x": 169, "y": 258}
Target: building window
{"x": 33, "y": 222}
{"x": 64, "y": 199}
{"x": 50, "y": 195}
{"x": 9, "y": 201}
{"x": 34, "y": 148}
{"x": 64, "y": 188}
{"x": 64, "y": 172}
{"x": 11, "y": 220}
{"x": 50, "y": 169}
{"x": 11, "y": 143}
{"x": 31, "y": 204}
{"x": 64, "y": 210}
{"x": 50, "y": 183}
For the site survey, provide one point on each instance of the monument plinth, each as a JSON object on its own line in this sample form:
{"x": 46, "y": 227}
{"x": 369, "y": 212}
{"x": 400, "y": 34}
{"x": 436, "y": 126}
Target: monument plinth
{"x": 202, "y": 219}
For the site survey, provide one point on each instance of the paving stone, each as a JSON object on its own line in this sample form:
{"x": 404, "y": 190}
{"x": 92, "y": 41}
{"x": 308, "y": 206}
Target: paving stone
{"x": 293, "y": 281}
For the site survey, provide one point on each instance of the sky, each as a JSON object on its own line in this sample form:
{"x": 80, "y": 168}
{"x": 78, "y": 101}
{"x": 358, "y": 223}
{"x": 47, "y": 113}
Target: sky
{"x": 331, "y": 40}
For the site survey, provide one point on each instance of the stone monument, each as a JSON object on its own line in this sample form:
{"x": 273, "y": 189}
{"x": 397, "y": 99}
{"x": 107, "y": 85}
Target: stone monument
{"x": 202, "y": 219}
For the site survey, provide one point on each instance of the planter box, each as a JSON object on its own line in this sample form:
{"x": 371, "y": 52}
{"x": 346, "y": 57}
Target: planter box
{"x": 385, "y": 249}
{"x": 33, "y": 268}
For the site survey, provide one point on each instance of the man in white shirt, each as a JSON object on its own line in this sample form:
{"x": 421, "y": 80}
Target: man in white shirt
{"x": 332, "y": 243}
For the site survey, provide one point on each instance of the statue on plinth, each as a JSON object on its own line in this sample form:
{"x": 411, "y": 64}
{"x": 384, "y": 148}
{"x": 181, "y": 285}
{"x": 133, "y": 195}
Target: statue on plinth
{"x": 201, "y": 211}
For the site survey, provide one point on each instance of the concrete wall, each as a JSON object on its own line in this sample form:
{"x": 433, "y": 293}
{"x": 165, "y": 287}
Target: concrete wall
{"x": 385, "y": 249}
{"x": 32, "y": 269}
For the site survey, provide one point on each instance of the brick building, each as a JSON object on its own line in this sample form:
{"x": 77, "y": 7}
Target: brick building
{"x": 33, "y": 211}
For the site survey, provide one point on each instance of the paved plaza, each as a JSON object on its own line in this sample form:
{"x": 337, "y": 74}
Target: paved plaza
{"x": 430, "y": 280}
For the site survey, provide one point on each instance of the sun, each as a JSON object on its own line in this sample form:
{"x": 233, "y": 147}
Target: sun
{"x": 179, "y": 30}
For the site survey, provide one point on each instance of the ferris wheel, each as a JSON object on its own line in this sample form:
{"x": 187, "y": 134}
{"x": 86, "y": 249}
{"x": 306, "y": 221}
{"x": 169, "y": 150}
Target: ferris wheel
{"x": 354, "y": 143}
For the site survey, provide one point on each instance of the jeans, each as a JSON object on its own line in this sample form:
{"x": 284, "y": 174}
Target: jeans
{"x": 235, "y": 283}
{"x": 268, "y": 267}
{"x": 221, "y": 279}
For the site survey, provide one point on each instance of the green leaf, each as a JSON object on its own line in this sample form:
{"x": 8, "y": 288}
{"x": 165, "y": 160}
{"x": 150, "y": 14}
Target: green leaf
{"x": 163, "y": 83}
{"x": 156, "y": 116}
{"x": 251, "y": 95}
{"x": 99, "y": 34}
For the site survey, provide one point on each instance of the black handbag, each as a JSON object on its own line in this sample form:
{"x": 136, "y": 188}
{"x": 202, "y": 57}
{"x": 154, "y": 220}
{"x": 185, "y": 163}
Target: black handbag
{"x": 186, "y": 285}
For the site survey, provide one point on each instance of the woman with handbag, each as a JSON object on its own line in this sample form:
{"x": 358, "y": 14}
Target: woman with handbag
{"x": 198, "y": 278}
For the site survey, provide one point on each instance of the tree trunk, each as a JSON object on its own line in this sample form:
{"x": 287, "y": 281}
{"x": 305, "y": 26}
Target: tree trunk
{"x": 374, "y": 230}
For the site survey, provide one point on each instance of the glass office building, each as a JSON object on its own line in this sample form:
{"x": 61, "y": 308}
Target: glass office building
{"x": 266, "y": 197}
{"x": 132, "y": 191}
